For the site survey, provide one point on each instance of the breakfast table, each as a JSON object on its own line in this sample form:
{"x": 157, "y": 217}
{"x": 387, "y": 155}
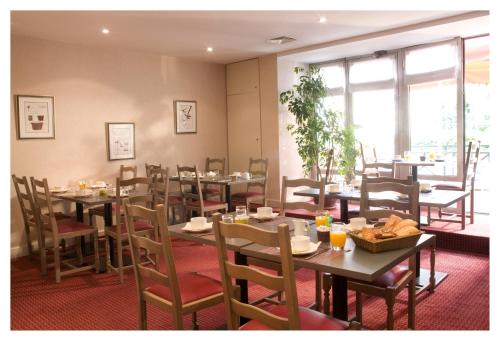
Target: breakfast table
{"x": 226, "y": 181}
{"x": 351, "y": 263}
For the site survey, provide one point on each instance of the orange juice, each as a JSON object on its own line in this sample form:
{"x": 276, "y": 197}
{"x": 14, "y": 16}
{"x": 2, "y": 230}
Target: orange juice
{"x": 320, "y": 220}
{"x": 337, "y": 239}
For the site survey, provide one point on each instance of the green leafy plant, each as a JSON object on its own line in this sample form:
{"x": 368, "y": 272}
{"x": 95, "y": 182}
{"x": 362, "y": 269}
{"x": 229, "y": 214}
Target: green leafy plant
{"x": 317, "y": 131}
{"x": 348, "y": 153}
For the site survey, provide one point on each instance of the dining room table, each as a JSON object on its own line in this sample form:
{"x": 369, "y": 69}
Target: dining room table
{"x": 351, "y": 263}
{"x": 225, "y": 181}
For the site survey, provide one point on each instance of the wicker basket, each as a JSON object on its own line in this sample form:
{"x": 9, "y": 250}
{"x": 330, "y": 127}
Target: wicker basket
{"x": 386, "y": 244}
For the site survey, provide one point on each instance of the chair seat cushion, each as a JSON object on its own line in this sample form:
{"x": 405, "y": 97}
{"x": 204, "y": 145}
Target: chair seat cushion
{"x": 309, "y": 320}
{"x": 174, "y": 200}
{"x": 244, "y": 195}
{"x": 454, "y": 186}
{"x": 192, "y": 286}
{"x": 68, "y": 226}
{"x": 391, "y": 277}
{"x": 139, "y": 225}
{"x": 206, "y": 203}
{"x": 300, "y": 213}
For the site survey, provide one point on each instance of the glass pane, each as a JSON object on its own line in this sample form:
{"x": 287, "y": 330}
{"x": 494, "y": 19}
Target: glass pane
{"x": 477, "y": 114}
{"x": 431, "y": 59}
{"x": 433, "y": 125}
{"x": 334, "y": 103}
{"x": 374, "y": 119}
{"x": 372, "y": 70}
{"x": 334, "y": 76}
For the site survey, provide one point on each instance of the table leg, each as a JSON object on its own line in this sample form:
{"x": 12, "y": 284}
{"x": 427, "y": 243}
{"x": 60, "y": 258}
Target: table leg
{"x": 339, "y": 297}
{"x": 228, "y": 198}
{"x": 108, "y": 221}
{"x": 240, "y": 259}
{"x": 79, "y": 218}
{"x": 344, "y": 211}
{"x": 414, "y": 175}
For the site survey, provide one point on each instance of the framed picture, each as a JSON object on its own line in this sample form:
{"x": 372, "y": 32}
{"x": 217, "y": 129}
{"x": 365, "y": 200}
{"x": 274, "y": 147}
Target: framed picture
{"x": 120, "y": 139}
{"x": 185, "y": 117}
{"x": 35, "y": 117}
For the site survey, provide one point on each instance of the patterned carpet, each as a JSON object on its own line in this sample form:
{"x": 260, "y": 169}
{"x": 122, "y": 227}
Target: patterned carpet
{"x": 90, "y": 301}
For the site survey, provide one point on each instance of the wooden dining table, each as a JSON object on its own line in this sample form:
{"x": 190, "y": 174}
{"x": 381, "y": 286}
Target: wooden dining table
{"x": 226, "y": 181}
{"x": 352, "y": 263}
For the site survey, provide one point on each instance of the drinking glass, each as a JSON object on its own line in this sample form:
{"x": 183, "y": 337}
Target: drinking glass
{"x": 241, "y": 210}
{"x": 337, "y": 237}
{"x": 407, "y": 155}
{"x": 320, "y": 219}
{"x": 82, "y": 184}
{"x": 227, "y": 218}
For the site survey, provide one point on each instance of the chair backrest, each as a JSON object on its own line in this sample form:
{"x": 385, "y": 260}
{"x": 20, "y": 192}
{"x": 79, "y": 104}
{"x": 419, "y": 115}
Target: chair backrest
{"x": 42, "y": 200}
{"x": 390, "y": 204}
{"x": 377, "y": 180}
{"x": 146, "y": 198}
{"x": 286, "y": 183}
{"x": 370, "y": 161}
{"x": 26, "y": 201}
{"x": 470, "y": 164}
{"x": 229, "y": 270}
{"x": 160, "y": 188}
{"x": 128, "y": 172}
{"x": 216, "y": 164}
{"x": 161, "y": 249}
{"x": 152, "y": 169}
{"x": 258, "y": 167}
{"x": 190, "y": 186}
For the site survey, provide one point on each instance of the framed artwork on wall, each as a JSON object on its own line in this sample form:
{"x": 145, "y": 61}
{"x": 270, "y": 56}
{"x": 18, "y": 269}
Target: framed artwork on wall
{"x": 120, "y": 140}
{"x": 35, "y": 117}
{"x": 185, "y": 117}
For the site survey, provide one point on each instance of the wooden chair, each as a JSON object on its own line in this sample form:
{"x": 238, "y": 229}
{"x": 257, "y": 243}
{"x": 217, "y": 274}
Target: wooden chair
{"x": 161, "y": 193}
{"x": 467, "y": 184}
{"x": 118, "y": 232}
{"x": 192, "y": 197}
{"x": 284, "y": 316}
{"x": 256, "y": 191}
{"x": 391, "y": 283}
{"x": 370, "y": 162}
{"x": 211, "y": 165}
{"x": 301, "y": 209}
{"x": 179, "y": 293}
{"x": 126, "y": 172}
{"x": 60, "y": 230}
{"x": 151, "y": 168}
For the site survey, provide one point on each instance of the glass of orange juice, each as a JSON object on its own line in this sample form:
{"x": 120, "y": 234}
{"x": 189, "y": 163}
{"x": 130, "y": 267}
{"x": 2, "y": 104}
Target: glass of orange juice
{"x": 82, "y": 184}
{"x": 338, "y": 237}
{"x": 321, "y": 217}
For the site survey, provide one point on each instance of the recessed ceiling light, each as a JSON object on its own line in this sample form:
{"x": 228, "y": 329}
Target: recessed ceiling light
{"x": 322, "y": 20}
{"x": 105, "y": 30}
{"x": 210, "y": 49}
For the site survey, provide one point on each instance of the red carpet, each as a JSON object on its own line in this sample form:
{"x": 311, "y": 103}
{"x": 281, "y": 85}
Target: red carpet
{"x": 90, "y": 301}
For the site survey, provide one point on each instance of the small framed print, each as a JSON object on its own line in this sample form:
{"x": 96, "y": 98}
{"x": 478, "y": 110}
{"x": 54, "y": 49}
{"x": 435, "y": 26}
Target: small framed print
{"x": 35, "y": 117}
{"x": 185, "y": 117}
{"x": 120, "y": 140}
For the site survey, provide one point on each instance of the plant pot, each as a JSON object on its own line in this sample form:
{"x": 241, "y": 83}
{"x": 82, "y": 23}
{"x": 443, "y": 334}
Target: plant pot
{"x": 30, "y": 117}
{"x": 40, "y": 117}
{"x": 36, "y": 125}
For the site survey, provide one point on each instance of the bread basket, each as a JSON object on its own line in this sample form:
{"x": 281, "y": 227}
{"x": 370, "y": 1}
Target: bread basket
{"x": 382, "y": 245}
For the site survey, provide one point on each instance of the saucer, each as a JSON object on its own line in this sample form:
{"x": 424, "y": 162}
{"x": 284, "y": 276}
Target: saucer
{"x": 255, "y": 216}
{"x": 59, "y": 190}
{"x": 313, "y": 247}
{"x": 188, "y": 228}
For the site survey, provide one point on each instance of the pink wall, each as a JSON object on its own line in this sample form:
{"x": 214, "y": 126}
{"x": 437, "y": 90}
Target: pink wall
{"x": 93, "y": 86}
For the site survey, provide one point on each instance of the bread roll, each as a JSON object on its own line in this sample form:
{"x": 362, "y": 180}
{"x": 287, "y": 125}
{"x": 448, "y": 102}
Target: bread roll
{"x": 406, "y": 222}
{"x": 407, "y": 231}
{"x": 393, "y": 221}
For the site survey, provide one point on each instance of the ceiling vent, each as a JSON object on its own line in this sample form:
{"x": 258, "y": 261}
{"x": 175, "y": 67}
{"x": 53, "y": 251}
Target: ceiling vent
{"x": 280, "y": 40}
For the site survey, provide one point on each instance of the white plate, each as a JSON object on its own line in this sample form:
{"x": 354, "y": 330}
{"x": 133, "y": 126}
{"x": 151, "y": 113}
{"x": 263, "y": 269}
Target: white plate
{"x": 58, "y": 190}
{"x": 312, "y": 248}
{"x": 255, "y": 216}
{"x": 187, "y": 228}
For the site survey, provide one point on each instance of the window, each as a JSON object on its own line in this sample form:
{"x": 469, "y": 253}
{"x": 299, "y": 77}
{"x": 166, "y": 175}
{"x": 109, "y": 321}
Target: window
{"x": 429, "y": 59}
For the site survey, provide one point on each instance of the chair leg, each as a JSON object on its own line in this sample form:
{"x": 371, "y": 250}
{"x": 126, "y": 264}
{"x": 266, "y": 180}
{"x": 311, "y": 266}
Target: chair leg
{"x": 57, "y": 260}
{"x": 411, "y": 296}
{"x": 463, "y": 214}
{"x": 317, "y": 293}
{"x": 390, "y": 300}
{"x": 179, "y": 325}
{"x": 43, "y": 252}
{"x": 119, "y": 249}
{"x": 143, "y": 315}
{"x": 28, "y": 240}
{"x": 96, "y": 251}
{"x": 194, "y": 322}
{"x": 471, "y": 205}
{"x": 327, "y": 285}
{"x": 359, "y": 307}
{"x": 107, "y": 256}
{"x": 432, "y": 278}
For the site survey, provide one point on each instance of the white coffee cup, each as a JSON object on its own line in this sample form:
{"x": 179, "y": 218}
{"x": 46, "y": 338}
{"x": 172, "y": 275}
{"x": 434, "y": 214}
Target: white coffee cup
{"x": 300, "y": 243}
{"x": 236, "y": 174}
{"x": 357, "y": 223}
{"x": 299, "y": 227}
{"x": 245, "y": 175}
{"x": 425, "y": 186}
{"x": 264, "y": 212}
{"x": 198, "y": 223}
{"x": 333, "y": 188}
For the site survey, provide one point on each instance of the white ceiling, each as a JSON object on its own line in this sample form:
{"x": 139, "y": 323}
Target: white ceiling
{"x": 235, "y": 35}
